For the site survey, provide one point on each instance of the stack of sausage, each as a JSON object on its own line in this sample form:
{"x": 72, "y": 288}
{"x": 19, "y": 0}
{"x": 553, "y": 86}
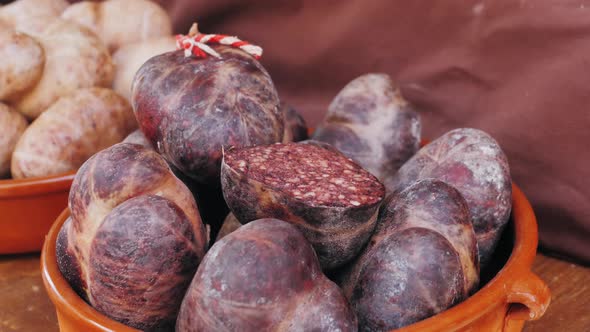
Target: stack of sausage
{"x": 355, "y": 228}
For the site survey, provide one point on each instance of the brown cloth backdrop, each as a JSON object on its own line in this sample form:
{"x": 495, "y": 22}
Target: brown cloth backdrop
{"x": 519, "y": 70}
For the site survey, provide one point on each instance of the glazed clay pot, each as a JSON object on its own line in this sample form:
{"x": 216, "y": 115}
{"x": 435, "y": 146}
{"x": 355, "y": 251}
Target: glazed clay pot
{"x": 512, "y": 296}
{"x": 28, "y": 208}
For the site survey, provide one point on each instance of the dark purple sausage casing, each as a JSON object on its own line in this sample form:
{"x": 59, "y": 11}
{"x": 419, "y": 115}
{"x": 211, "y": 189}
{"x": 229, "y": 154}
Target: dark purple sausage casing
{"x": 132, "y": 263}
{"x": 421, "y": 259}
{"x": 263, "y": 277}
{"x": 473, "y": 162}
{"x": 370, "y": 122}
{"x": 134, "y": 238}
{"x": 209, "y": 198}
{"x": 295, "y": 127}
{"x": 332, "y": 200}
{"x": 189, "y": 108}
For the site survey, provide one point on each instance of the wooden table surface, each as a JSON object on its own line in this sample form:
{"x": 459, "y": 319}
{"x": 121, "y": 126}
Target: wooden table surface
{"x": 24, "y": 305}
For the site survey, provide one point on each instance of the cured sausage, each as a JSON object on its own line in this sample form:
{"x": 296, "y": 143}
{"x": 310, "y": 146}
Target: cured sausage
{"x": 332, "y": 200}
{"x": 190, "y": 108}
{"x": 473, "y": 162}
{"x": 263, "y": 277}
{"x": 421, "y": 259}
{"x": 370, "y": 122}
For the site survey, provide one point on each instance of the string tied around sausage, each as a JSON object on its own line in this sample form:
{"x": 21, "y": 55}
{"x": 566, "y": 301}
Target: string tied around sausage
{"x": 197, "y": 44}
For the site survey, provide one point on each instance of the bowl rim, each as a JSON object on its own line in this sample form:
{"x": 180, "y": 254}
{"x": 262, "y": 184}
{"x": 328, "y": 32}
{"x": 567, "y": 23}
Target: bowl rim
{"x": 13, "y": 188}
{"x": 521, "y": 258}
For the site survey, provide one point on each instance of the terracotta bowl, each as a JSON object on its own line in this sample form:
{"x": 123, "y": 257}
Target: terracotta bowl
{"x": 28, "y": 208}
{"x": 511, "y": 296}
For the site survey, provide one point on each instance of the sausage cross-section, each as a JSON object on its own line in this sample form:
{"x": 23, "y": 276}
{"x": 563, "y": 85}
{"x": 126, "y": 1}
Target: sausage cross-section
{"x": 331, "y": 199}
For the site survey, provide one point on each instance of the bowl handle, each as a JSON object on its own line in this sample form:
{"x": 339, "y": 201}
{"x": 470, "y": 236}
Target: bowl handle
{"x": 528, "y": 298}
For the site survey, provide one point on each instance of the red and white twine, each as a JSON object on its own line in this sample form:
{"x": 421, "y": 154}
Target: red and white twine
{"x": 197, "y": 45}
